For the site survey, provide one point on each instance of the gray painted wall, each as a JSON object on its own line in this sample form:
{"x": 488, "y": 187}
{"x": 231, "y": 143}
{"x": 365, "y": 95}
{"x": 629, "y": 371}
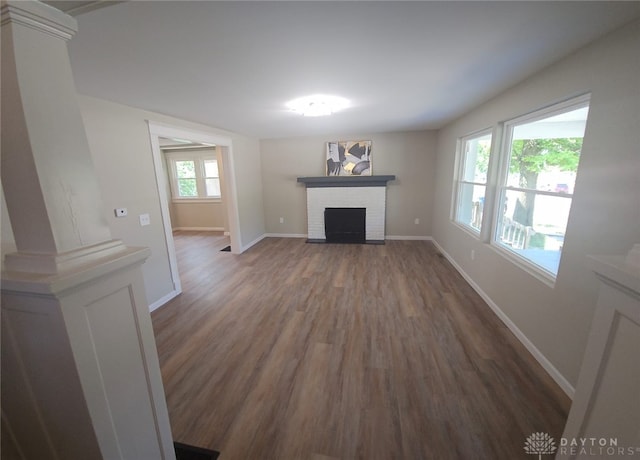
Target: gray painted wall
{"x": 119, "y": 141}
{"x": 410, "y": 156}
{"x": 121, "y": 149}
{"x": 605, "y": 215}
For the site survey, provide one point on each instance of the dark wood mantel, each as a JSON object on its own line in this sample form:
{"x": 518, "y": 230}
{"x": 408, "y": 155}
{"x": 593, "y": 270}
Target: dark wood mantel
{"x": 346, "y": 181}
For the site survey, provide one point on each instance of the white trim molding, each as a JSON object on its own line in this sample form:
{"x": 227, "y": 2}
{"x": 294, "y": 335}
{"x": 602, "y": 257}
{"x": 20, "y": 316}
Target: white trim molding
{"x": 39, "y": 16}
{"x": 224, "y": 143}
{"x": 163, "y": 300}
{"x": 408, "y": 238}
{"x": 202, "y": 229}
{"x": 285, "y": 235}
{"x": 254, "y": 242}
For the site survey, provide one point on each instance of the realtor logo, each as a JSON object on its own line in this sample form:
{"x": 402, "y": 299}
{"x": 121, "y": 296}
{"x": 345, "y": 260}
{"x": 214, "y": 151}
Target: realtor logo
{"x": 540, "y": 444}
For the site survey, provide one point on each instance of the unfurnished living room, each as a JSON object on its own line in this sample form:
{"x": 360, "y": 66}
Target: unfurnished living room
{"x": 320, "y": 230}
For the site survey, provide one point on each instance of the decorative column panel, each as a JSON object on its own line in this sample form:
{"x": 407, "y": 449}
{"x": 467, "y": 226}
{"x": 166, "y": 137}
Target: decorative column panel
{"x": 606, "y": 408}
{"x": 80, "y": 372}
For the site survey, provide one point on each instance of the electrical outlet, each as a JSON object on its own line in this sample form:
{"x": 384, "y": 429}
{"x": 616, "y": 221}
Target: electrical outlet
{"x": 120, "y": 212}
{"x": 282, "y": 220}
{"x": 144, "y": 220}
{"x": 416, "y": 221}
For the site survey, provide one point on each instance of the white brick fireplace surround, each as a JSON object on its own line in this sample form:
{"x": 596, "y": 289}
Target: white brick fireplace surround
{"x": 367, "y": 192}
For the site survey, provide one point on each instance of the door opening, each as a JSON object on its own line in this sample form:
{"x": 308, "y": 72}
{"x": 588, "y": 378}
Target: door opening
{"x": 224, "y": 146}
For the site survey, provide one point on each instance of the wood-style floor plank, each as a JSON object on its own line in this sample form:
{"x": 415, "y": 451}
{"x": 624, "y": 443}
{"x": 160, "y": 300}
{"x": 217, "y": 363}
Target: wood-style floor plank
{"x": 324, "y": 352}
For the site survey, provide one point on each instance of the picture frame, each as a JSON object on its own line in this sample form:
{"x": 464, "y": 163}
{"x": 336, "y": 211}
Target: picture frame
{"x": 348, "y": 158}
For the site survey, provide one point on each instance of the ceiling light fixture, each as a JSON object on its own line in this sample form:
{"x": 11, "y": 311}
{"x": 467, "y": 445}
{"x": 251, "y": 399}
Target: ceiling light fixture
{"x": 318, "y": 105}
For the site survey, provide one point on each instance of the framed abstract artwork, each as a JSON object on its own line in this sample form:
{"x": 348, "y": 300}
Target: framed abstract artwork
{"x": 349, "y": 158}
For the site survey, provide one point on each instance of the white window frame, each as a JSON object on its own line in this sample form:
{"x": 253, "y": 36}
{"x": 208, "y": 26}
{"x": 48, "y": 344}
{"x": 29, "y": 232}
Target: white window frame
{"x": 502, "y": 186}
{"x": 460, "y": 181}
{"x": 199, "y": 159}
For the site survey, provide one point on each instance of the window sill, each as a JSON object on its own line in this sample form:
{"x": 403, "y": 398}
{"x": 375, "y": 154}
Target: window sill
{"x": 468, "y": 229}
{"x": 196, "y": 200}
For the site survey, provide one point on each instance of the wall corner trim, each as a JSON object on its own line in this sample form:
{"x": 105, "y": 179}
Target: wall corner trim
{"x": 555, "y": 374}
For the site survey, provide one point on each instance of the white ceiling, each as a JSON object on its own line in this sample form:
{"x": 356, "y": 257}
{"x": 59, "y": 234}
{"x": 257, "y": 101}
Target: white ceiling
{"x": 403, "y": 65}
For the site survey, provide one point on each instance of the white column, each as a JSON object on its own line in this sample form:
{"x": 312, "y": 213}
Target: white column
{"x": 48, "y": 176}
{"x": 606, "y": 407}
{"x": 80, "y": 372}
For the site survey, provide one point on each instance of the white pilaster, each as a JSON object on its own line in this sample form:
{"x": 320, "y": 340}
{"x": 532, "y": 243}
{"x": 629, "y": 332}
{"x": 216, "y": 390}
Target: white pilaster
{"x": 80, "y": 372}
{"x": 50, "y": 184}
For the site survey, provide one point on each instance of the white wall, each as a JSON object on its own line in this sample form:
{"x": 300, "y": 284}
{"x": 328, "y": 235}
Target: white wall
{"x": 605, "y": 216}
{"x": 410, "y": 156}
{"x": 246, "y": 158}
{"x": 121, "y": 149}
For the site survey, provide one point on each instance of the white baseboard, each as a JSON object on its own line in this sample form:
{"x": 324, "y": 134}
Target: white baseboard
{"x": 285, "y": 235}
{"x": 271, "y": 235}
{"x": 537, "y": 354}
{"x": 161, "y": 301}
{"x": 201, "y": 229}
{"x": 408, "y": 238}
{"x": 253, "y": 243}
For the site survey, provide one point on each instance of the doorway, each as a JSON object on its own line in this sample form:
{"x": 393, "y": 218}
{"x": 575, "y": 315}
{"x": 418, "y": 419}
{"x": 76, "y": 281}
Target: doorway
{"x": 224, "y": 146}
{"x": 194, "y": 176}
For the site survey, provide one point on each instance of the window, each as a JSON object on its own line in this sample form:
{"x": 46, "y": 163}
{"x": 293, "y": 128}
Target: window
{"x": 472, "y": 180}
{"x": 186, "y": 178}
{"x": 211, "y": 178}
{"x": 539, "y": 162}
{"x": 194, "y": 176}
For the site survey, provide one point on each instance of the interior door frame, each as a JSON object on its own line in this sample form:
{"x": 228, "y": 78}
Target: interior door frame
{"x": 224, "y": 143}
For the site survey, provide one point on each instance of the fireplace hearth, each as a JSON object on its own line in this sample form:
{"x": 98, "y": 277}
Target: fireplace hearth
{"x": 345, "y": 225}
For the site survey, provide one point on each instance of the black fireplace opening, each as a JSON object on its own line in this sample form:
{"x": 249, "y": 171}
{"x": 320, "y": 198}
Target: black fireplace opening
{"x": 345, "y": 225}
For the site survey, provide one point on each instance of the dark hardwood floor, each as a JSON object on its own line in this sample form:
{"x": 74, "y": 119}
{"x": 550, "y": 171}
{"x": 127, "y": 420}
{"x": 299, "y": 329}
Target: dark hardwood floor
{"x": 309, "y": 351}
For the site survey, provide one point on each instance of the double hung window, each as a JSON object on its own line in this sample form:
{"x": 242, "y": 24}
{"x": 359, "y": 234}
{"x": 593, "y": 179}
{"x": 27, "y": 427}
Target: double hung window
{"x": 472, "y": 180}
{"x": 530, "y": 191}
{"x": 539, "y": 164}
{"x": 194, "y": 176}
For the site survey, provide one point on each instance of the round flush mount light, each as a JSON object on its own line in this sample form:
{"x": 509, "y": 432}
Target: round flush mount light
{"x": 318, "y": 105}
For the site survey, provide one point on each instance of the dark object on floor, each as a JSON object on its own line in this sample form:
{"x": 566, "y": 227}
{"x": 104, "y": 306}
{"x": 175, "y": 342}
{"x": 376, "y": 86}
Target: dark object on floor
{"x": 187, "y": 452}
{"x": 227, "y": 249}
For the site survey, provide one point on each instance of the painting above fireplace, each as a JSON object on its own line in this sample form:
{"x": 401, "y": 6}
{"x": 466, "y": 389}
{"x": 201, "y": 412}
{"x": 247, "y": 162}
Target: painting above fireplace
{"x": 349, "y": 158}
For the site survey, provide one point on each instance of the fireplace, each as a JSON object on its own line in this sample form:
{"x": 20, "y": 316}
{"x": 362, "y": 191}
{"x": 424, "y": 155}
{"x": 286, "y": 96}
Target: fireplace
{"x": 367, "y": 193}
{"x": 345, "y": 225}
